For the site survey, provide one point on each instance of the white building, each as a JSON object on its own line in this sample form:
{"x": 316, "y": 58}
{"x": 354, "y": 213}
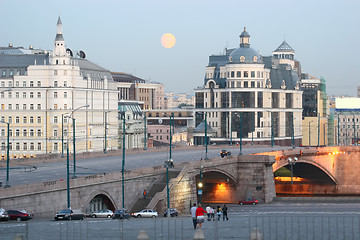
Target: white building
{"x": 248, "y": 96}
{"x": 50, "y": 91}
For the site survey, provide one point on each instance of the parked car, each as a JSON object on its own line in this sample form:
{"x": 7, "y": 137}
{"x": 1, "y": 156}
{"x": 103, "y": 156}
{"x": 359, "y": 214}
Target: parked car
{"x": 225, "y": 152}
{"x": 252, "y": 201}
{"x": 121, "y": 214}
{"x": 19, "y": 215}
{"x": 3, "y": 215}
{"x": 145, "y": 213}
{"x": 105, "y": 213}
{"x": 173, "y": 212}
{"x": 69, "y": 214}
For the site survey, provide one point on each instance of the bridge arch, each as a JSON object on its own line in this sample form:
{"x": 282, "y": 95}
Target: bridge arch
{"x": 284, "y": 163}
{"x": 218, "y": 186}
{"x": 99, "y": 200}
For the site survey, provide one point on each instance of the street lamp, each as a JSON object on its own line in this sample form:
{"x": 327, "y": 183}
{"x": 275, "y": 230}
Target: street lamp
{"x": 240, "y": 143}
{"x": 206, "y": 139}
{"x": 292, "y": 131}
{"x": 105, "y": 133}
{"x": 200, "y": 184}
{"x": 168, "y": 164}
{"x": 292, "y": 163}
{"x": 230, "y": 129}
{"x": 73, "y": 118}
{"x": 145, "y": 143}
{"x": 123, "y": 162}
{"x": 171, "y": 122}
{"x": 7, "y": 185}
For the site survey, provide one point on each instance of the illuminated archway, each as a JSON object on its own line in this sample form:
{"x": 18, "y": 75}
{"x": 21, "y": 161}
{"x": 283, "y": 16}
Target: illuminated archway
{"x": 217, "y": 187}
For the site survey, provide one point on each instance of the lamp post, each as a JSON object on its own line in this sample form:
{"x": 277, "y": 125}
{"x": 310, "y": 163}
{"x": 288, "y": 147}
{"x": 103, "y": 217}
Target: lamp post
{"x": 145, "y": 143}
{"x": 240, "y": 137}
{"x": 73, "y": 118}
{"x": 355, "y": 140}
{"x": 206, "y": 139}
{"x": 325, "y": 134}
{"x": 123, "y": 163}
{"x": 67, "y": 176}
{"x": 105, "y": 133}
{"x": 62, "y": 135}
{"x": 292, "y": 163}
{"x": 272, "y": 131}
{"x": 338, "y": 130}
{"x": 292, "y": 131}
{"x": 170, "y": 137}
{"x": 230, "y": 129}
{"x": 318, "y": 144}
{"x": 7, "y": 185}
{"x": 200, "y": 185}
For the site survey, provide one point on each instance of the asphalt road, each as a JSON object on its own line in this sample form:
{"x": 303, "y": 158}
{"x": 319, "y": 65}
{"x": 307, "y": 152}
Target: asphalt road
{"x": 327, "y": 220}
{"x": 57, "y": 170}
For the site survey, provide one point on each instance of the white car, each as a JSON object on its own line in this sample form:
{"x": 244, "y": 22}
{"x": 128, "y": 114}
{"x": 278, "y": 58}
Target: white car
{"x": 105, "y": 213}
{"x": 145, "y": 213}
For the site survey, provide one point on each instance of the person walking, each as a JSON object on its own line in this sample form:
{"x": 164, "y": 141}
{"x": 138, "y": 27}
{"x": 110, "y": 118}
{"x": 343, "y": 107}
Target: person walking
{"x": 208, "y": 208}
{"x": 218, "y": 212}
{"x": 144, "y": 193}
{"x": 224, "y": 211}
{"x": 193, "y": 215}
{"x": 212, "y": 213}
{"x": 200, "y": 215}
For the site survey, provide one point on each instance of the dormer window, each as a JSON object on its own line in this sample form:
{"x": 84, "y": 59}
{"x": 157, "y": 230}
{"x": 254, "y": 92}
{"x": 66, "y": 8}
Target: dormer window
{"x": 255, "y": 59}
{"x": 230, "y": 59}
{"x": 242, "y": 59}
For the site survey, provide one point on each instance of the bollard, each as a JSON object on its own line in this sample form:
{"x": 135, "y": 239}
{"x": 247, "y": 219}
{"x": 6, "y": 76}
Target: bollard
{"x": 142, "y": 235}
{"x": 19, "y": 237}
{"x": 256, "y": 235}
{"x": 199, "y": 235}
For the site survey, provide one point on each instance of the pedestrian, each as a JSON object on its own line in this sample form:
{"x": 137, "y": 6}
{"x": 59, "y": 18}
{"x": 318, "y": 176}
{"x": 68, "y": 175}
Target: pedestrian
{"x": 212, "y": 213}
{"x": 224, "y": 211}
{"x": 218, "y": 212}
{"x": 193, "y": 215}
{"x": 144, "y": 193}
{"x": 200, "y": 215}
{"x": 208, "y": 208}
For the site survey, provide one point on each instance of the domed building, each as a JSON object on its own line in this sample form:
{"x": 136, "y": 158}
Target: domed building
{"x": 252, "y": 98}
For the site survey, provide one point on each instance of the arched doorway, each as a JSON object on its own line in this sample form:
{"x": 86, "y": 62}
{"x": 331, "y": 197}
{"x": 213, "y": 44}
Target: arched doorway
{"x": 308, "y": 180}
{"x": 217, "y": 187}
{"x": 100, "y": 202}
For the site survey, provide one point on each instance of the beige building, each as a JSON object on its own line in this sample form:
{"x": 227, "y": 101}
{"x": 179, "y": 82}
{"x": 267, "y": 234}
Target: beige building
{"x": 49, "y": 93}
{"x": 250, "y": 97}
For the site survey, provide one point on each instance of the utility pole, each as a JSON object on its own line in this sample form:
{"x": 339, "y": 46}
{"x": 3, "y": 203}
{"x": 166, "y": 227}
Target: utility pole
{"x": 206, "y": 139}
{"x": 68, "y": 176}
{"x": 123, "y": 164}
{"x": 145, "y": 143}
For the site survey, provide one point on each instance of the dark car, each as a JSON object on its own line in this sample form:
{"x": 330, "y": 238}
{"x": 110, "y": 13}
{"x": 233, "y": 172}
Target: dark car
{"x": 121, "y": 214}
{"x": 69, "y": 214}
{"x": 224, "y": 153}
{"x": 3, "y": 215}
{"x": 19, "y": 215}
{"x": 252, "y": 201}
{"x": 173, "y": 212}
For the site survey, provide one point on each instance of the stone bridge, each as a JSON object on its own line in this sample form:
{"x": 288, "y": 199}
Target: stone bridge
{"x": 224, "y": 180}
{"x": 322, "y": 171}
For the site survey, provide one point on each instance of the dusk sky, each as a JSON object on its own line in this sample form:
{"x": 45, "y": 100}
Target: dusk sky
{"x": 125, "y": 36}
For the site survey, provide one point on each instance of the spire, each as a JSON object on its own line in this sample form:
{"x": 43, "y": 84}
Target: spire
{"x": 59, "y": 26}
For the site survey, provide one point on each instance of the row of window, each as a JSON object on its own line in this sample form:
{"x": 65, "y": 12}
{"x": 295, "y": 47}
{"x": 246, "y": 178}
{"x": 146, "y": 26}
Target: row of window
{"x": 24, "y": 119}
{"x": 25, "y": 146}
{"x": 31, "y": 107}
{"x": 11, "y": 73}
{"x": 31, "y": 84}
{"x": 349, "y": 120}
{"x": 244, "y": 84}
{"x": 236, "y": 74}
{"x": 31, "y": 95}
{"x": 30, "y": 133}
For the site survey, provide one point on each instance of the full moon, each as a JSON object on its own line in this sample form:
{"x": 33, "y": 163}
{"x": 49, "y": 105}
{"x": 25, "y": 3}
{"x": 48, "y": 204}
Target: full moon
{"x": 168, "y": 40}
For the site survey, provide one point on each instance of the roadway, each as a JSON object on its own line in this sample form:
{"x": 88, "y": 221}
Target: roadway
{"x": 55, "y": 171}
{"x": 278, "y": 220}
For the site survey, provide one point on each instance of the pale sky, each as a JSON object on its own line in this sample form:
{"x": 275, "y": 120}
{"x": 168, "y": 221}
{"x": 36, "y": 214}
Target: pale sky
{"x": 125, "y": 36}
